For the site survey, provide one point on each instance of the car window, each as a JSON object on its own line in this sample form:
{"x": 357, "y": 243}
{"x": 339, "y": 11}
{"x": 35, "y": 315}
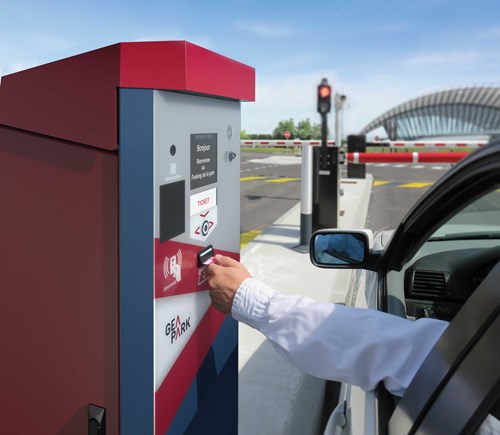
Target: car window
{"x": 479, "y": 220}
{"x": 452, "y": 263}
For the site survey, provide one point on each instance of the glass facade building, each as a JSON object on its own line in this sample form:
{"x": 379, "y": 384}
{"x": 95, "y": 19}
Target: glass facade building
{"x": 465, "y": 111}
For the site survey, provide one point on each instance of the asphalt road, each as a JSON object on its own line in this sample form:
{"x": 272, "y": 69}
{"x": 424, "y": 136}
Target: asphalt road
{"x": 270, "y": 188}
{"x": 396, "y": 189}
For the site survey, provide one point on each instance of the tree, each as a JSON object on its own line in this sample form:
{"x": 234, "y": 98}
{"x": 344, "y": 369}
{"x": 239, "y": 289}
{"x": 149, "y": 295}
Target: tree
{"x": 308, "y": 131}
{"x": 304, "y": 130}
{"x": 243, "y": 135}
{"x": 286, "y": 125}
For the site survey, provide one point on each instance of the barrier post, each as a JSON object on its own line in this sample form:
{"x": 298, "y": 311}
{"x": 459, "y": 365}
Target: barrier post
{"x": 356, "y": 144}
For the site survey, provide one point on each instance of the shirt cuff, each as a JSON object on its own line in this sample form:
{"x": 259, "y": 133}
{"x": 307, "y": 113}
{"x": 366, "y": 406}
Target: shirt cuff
{"x": 250, "y": 304}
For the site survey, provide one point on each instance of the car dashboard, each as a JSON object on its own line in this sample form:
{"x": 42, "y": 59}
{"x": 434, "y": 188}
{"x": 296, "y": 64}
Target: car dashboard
{"x": 442, "y": 276}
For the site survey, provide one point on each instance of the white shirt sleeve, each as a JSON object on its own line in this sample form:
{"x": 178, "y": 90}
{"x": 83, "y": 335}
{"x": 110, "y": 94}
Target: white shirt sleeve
{"x": 359, "y": 346}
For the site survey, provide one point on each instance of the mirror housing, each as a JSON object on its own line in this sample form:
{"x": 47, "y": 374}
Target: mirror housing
{"x": 342, "y": 249}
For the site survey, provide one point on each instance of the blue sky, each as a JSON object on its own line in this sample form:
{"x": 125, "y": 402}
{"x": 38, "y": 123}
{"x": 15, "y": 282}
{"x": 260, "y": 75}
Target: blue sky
{"x": 377, "y": 53}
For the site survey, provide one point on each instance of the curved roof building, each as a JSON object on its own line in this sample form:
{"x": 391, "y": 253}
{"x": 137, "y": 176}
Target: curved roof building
{"x": 465, "y": 111}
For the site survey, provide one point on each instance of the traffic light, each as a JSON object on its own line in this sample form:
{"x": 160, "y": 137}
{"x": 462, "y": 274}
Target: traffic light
{"x": 324, "y": 97}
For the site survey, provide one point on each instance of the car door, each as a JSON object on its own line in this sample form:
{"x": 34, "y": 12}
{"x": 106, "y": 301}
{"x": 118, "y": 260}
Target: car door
{"x": 440, "y": 254}
{"x": 449, "y": 241}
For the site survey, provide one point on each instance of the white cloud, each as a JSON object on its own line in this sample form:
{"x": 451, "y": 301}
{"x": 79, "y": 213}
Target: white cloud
{"x": 285, "y": 96}
{"x": 281, "y": 97}
{"x": 294, "y": 96}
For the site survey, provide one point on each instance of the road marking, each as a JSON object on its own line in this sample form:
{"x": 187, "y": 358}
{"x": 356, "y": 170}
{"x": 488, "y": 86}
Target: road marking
{"x": 246, "y": 238}
{"x": 272, "y": 180}
{"x": 438, "y": 168}
{"x": 415, "y": 185}
{"x": 282, "y": 180}
{"x": 256, "y": 177}
{"x": 380, "y": 182}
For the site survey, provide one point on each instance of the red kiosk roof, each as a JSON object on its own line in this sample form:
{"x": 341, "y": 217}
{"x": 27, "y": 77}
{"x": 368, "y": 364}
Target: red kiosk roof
{"x": 75, "y": 99}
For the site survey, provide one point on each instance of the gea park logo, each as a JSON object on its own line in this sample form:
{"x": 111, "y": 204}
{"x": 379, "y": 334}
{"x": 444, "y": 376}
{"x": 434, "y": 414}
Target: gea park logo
{"x": 176, "y": 328}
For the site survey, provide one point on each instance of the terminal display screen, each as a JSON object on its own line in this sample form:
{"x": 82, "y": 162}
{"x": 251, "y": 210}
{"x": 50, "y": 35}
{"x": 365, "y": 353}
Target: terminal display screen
{"x": 203, "y": 159}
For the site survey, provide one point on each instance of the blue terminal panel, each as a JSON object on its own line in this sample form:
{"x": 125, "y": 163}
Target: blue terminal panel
{"x": 136, "y": 259}
{"x": 179, "y": 193}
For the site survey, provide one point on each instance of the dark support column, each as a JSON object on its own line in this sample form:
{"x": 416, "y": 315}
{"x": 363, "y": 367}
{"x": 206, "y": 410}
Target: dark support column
{"x": 356, "y": 144}
{"x": 325, "y": 188}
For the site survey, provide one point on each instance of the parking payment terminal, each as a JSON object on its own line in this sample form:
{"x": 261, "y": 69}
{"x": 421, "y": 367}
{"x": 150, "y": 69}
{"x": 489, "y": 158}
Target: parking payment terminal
{"x": 197, "y": 204}
{"x": 119, "y": 174}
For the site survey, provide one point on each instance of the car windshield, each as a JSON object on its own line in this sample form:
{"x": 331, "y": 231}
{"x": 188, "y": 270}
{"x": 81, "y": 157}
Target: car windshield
{"x": 479, "y": 220}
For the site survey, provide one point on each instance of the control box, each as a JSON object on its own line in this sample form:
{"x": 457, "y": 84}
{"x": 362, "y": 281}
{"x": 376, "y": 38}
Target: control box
{"x": 119, "y": 170}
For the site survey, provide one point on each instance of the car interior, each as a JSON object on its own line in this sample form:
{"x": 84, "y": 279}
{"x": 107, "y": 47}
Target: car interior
{"x": 458, "y": 385}
{"x": 452, "y": 263}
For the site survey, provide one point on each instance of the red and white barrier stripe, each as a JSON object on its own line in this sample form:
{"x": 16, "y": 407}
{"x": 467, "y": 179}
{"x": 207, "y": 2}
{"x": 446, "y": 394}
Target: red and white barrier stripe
{"x": 272, "y": 143}
{"x": 423, "y": 157}
{"x": 390, "y": 144}
{"x": 433, "y": 144}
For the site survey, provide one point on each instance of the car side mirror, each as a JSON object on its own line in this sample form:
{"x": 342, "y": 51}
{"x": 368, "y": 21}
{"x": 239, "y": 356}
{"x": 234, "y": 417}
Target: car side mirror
{"x": 340, "y": 249}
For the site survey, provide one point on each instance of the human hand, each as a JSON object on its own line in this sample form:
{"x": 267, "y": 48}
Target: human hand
{"x": 225, "y": 276}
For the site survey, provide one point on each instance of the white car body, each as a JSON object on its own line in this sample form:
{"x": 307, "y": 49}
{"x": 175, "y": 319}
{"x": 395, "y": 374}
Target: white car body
{"x": 443, "y": 261}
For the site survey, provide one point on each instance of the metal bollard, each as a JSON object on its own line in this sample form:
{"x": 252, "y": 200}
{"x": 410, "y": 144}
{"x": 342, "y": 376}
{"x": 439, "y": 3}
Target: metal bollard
{"x": 306, "y": 195}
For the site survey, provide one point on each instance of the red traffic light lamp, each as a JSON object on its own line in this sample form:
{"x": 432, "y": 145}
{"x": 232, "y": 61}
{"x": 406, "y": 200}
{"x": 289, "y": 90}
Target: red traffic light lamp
{"x": 324, "y": 91}
{"x": 324, "y": 97}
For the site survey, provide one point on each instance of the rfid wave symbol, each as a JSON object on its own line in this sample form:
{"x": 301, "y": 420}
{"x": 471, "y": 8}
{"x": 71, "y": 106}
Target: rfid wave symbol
{"x": 172, "y": 266}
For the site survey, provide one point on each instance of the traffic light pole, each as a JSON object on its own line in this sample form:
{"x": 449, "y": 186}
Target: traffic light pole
{"x": 320, "y": 177}
{"x": 324, "y": 107}
{"x": 324, "y": 140}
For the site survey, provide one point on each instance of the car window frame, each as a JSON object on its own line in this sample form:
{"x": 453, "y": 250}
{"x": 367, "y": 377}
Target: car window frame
{"x": 468, "y": 180}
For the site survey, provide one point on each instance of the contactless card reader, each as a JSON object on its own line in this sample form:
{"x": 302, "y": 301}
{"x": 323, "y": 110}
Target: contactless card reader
{"x": 206, "y": 256}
